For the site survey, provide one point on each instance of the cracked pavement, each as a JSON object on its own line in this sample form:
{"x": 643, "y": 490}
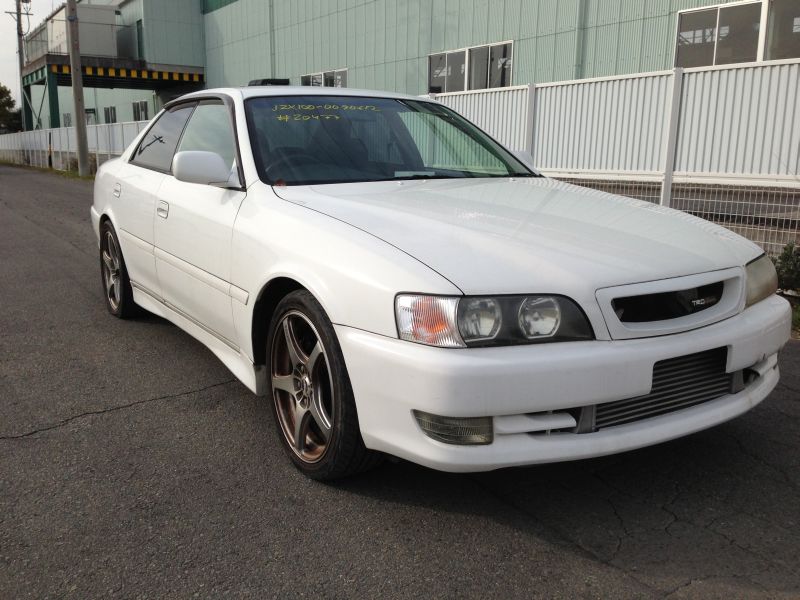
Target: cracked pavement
{"x": 133, "y": 465}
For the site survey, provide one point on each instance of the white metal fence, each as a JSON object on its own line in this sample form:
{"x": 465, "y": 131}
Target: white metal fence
{"x": 722, "y": 143}
{"x": 56, "y": 148}
{"x": 719, "y": 142}
{"x": 715, "y": 122}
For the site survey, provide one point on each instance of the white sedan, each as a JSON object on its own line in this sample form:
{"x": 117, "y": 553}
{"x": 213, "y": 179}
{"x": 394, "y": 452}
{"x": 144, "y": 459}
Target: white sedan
{"x": 397, "y": 282}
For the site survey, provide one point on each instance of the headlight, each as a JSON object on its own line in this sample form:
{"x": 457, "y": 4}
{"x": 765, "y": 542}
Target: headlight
{"x": 539, "y": 317}
{"x": 451, "y": 322}
{"x": 479, "y": 319}
{"x": 761, "y": 279}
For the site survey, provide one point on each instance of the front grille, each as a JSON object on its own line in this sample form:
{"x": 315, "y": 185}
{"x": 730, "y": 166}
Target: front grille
{"x": 667, "y": 305}
{"x": 677, "y": 383}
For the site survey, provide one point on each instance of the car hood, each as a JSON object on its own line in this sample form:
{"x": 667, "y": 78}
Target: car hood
{"x": 528, "y": 235}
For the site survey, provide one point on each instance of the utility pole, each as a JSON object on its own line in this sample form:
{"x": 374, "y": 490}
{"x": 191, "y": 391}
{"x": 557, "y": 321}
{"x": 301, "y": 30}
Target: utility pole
{"x": 21, "y": 63}
{"x": 77, "y": 87}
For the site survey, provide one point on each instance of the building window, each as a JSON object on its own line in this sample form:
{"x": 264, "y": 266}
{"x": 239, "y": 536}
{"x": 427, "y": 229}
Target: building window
{"x": 66, "y": 119}
{"x": 474, "y": 68}
{"x": 478, "y": 68}
{"x": 737, "y": 40}
{"x": 500, "y": 65}
{"x": 335, "y": 78}
{"x": 110, "y": 114}
{"x": 91, "y": 116}
{"x": 718, "y": 36}
{"x": 783, "y": 37}
{"x": 140, "y": 111}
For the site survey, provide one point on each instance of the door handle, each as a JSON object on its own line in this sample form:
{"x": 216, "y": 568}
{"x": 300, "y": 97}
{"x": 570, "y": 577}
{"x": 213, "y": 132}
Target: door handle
{"x": 117, "y": 190}
{"x": 163, "y": 209}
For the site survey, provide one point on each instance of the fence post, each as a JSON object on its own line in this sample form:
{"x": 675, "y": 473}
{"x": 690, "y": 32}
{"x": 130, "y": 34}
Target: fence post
{"x": 530, "y": 116}
{"x": 672, "y": 136}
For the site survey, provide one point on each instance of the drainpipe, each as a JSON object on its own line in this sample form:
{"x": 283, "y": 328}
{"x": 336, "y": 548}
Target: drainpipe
{"x": 272, "y": 39}
{"x": 580, "y": 39}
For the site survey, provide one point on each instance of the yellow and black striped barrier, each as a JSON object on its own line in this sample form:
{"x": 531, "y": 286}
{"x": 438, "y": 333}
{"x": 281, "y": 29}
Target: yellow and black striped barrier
{"x": 121, "y": 73}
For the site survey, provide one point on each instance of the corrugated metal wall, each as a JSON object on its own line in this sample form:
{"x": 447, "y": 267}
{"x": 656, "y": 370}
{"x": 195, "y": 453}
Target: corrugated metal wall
{"x": 174, "y": 32}
{"x": 610, "y": 125}
{"x": 384, "y": 44}
{"x": 237, "y": 43}
{"x": 743, "y": 120}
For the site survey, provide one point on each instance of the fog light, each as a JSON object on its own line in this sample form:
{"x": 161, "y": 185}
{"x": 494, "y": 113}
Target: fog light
{"x": 465, "y": 431}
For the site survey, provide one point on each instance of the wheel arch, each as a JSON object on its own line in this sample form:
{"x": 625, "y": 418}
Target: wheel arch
{"x": 267, "y": 301}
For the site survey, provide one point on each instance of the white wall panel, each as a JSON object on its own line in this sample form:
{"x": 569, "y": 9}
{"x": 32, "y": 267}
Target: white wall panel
{"x": 607, "y": 125}
{"x": 500, "y": 112}
{"x": 741, "y": 121}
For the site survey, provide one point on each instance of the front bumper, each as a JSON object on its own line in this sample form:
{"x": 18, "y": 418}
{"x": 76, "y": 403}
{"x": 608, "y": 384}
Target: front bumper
{"x": 391, "y": 378}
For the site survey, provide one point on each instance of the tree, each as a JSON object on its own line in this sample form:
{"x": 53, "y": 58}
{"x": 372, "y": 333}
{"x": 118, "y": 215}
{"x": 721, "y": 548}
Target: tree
{"x": 788, "y": 267}
{"x": 10, "y": 116}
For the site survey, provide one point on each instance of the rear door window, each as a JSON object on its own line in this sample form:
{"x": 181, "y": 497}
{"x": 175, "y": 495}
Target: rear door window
{"x": 156, "y": 149}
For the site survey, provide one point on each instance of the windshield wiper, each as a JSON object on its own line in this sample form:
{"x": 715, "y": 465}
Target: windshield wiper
{"x": 515, "y": 175}
{"x": 418, "y": 176}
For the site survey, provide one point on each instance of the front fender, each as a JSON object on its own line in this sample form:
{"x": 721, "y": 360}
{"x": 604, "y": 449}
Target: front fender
{"x": 354, "y": 275}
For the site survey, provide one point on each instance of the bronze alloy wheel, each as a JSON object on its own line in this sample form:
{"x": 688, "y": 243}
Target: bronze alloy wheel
{"x": 117, "y": 290}
{"x": 302, "y": 387}
{"x": 111, "y": 267}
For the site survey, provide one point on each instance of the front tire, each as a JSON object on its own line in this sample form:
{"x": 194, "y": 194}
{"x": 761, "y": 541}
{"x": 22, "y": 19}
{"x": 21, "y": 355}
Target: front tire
{"x": 312, "y": 399}
{"x": 116, "y": 284}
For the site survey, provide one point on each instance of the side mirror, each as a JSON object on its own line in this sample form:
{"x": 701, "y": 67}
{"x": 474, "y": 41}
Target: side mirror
{"x": 205, "y": 168}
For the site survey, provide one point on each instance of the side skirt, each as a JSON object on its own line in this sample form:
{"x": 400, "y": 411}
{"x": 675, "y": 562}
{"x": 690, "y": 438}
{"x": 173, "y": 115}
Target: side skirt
{"x": 252, "y": 376}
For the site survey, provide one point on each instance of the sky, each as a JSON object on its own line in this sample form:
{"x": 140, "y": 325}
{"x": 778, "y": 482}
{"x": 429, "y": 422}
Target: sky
{"x": 9, "y": 70}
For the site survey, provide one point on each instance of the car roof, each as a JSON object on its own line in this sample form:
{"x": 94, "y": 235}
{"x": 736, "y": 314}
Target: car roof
{"x": 298, "y": 90}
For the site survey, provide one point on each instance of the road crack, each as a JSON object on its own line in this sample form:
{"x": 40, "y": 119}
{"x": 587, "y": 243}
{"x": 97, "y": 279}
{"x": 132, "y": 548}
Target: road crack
{"x": 563, "y": 536}
{"x": 111, "y": 409}
{"x": 744, "y": 449}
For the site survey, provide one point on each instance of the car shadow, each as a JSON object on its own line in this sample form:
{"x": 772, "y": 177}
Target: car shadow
{"x": 718, "y": 507}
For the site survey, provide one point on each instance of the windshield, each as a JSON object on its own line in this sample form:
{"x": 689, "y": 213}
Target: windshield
{"x": 300, "y": 140}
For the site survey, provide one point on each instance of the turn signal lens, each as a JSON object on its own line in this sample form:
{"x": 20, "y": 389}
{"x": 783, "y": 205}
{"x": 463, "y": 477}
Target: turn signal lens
{"x": 428, "y": 320}
{"x": 479, "y": 319}
{"x": 539, "y": 317}
{"x": 762, "y": 280}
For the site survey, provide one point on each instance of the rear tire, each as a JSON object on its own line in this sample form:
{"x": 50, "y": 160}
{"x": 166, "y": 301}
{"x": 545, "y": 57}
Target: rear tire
{"x": 311, "y": 396}
{"x": 114, "y": 275}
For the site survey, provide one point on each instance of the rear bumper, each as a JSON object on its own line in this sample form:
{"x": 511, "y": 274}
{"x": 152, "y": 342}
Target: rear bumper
{"x": 391, "y": 378}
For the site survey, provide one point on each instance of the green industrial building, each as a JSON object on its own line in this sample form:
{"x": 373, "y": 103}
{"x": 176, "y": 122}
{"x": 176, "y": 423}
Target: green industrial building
{"x": 139, "y": 53}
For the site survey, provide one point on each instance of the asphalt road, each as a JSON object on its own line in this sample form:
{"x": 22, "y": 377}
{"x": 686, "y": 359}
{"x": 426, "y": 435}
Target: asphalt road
{"x": 133, "y": 465}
